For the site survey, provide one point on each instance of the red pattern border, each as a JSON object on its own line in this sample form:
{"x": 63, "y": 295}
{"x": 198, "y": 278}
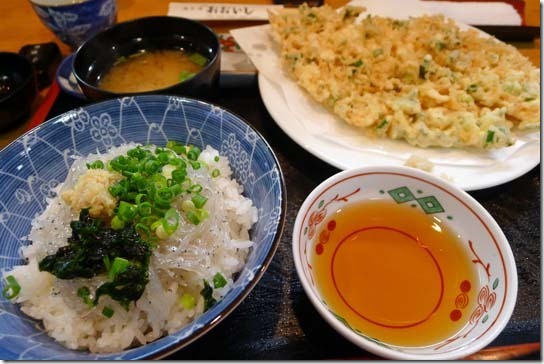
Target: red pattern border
{"x": 503, "y": 264}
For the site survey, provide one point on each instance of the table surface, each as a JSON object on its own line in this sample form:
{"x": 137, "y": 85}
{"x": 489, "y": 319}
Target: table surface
{"x": 277, "y": 320}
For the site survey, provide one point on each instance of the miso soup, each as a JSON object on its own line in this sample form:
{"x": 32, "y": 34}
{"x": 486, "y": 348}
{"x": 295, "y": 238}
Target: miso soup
{"x": 152, "y": 70}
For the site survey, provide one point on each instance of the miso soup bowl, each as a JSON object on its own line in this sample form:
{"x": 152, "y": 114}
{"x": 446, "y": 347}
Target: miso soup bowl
{"x": 495, "y": 287}
{"x": 96, "y": 56}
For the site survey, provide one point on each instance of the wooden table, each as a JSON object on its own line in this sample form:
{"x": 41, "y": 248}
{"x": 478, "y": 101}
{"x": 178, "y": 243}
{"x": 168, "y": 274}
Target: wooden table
{"x": 21, "y": 26}
{"x": 294, "y": 330}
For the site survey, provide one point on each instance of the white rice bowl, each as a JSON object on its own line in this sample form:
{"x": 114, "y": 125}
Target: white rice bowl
{"x": 194, "y": 253}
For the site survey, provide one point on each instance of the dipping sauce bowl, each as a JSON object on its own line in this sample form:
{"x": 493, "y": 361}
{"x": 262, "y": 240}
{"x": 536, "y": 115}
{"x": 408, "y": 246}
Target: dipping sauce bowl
{"x": 403, "y": 264}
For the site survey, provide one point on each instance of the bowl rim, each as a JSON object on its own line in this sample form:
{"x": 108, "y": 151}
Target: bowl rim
{"x": 28, "y": 76}
{"x": 470, "y": 203}
{"x": 82, "y": 82}
{"x": 60, "y": 6}
{"x": 212, "y": 321}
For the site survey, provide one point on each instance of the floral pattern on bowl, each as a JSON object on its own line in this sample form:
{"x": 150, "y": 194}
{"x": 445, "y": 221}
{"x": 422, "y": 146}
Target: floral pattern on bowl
{"x": 73, "y": 23}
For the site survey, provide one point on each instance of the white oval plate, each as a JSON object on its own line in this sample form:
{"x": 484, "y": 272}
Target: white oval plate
{"x": 333, "y": 141}
{"x": 347, "y": 154}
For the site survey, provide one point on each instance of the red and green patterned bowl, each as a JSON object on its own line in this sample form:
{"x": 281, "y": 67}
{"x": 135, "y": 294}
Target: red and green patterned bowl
{"x": 494, "y": 292}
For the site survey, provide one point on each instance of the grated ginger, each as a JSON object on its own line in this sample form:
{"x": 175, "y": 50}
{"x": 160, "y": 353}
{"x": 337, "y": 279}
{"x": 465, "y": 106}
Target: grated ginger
{"x": 91, "y": 191}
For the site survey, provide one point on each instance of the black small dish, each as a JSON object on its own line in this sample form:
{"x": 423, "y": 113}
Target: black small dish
{"x": 98, "y": 54}
{"x": 18, "y": 88}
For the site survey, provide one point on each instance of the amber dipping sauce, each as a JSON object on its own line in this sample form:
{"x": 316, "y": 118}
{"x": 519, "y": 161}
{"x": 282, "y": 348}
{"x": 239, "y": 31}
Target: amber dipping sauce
{"x": 394, "y": 273}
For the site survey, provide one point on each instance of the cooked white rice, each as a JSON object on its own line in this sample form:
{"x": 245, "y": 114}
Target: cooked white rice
{"x": 179, "y": 265}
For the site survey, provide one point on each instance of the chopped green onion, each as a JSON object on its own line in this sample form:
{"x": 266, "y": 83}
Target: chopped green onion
{"x": 198, "y": 58}
{"x": 199, "y": 200}
{"x": 184, "y": 75}
{"x": 143, "y": 230}
{"x": 216, "y": 173}
{"x": 193, "y": 153}
{"x": 119, "y": 163}
{"x": 163, "y": 157}
{"x": 165, "y": 194}
{"x": 85, "y": 295}
{"x": 176, "y": 162}
{"x": 359, "y": 63}
{"x": 382, "y": 124}
{"x": 396, "y": 24}
{"x": 161, "y": 233}
{"x": 176, "y": 147}
{"x": 152, "y": 166}
{"x": 96, "y": 165}
{"x": 219, "y": 281}
{"x": 144, "y": 209}
{"x": 156, "y": 224}
{"x": 179, "y": 174}
{"x": 196, "y": 188}
{"x": 119, "y": 265}
{"x": 138, "y": 182}
{"x": 159, "y": 212}
{"x": 188, "y": 301}
{"x": 158, "y": 181}
{"x": 176, "y": 189}
{"x": 108, "y": 312}
{"x": 126, "y": 211}
{"x": 149, "y": 220}
{"x": 186, "y": 184}
{"x": 140, "y": 198}
{"x": 187, "y": 205}
{"x": 138, "y": 153}
{"x": 490, "y": 136}
{"x": 117, "y": 223}
{"x": 193, "y": 217}
{"x": 377, "y": 52}
{"x": 162, "y": 203}
{"x": 11, "y": 288}
{"x": 196, "y": 216}
{"x": 216, "y": 158}
{"x": 171, "y": 221}
{"x": 180, "y": 149}
{"x": 154, "y": 179}
{"x": 117, "y": 189}
{"x": 440, "y": 45}
{"x": 195, "y": 149}
{"x": 472, "y": 88}
{"x": 127, "y": 173}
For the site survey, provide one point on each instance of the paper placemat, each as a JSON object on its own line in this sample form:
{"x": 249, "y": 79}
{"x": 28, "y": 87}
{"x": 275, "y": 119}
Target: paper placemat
{"x": 217, "y": 11}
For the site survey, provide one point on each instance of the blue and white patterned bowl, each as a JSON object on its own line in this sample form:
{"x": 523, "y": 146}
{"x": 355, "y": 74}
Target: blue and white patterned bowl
{"x": 75, "y": 22}
{"x": 38, "y": 161}
{"x": 67, "y": 80}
